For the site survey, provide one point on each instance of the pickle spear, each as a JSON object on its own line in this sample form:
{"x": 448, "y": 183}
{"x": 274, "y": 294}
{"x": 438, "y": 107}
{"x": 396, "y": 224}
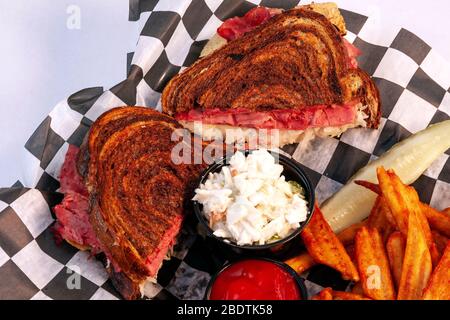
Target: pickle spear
{"x": 409, "y": 158}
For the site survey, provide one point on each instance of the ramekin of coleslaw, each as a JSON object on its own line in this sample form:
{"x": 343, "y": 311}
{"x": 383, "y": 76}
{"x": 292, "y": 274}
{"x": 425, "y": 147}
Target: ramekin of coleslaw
{"x": 254, "y": 200}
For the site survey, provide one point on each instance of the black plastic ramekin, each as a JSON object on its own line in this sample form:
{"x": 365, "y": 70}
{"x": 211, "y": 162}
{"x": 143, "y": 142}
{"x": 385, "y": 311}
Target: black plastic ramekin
{"x": 293, "y": 172}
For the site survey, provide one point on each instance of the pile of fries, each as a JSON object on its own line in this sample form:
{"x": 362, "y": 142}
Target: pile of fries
{"x": 401, "y": 252}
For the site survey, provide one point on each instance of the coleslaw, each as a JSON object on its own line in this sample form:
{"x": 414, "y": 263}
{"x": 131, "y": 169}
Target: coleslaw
{"x": 250, "y": 202}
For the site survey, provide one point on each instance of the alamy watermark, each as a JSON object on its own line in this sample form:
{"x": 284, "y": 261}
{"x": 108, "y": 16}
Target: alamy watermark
{"x": 73, "y": 281}
{"x": 73, "y": 21}
{"x": 374, "y": 280}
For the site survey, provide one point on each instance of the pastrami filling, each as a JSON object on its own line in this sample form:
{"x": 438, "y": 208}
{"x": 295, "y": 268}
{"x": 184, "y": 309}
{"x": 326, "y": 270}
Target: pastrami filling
{"x": 291, "y": 119}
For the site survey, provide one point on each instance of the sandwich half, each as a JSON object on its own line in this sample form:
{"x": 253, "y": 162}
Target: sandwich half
{"x": 124, "y": 196}
{"x": 290, "y": 73}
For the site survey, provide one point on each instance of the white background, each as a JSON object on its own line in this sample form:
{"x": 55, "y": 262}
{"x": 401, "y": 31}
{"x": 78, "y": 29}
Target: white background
{"x": 42, "y": 61}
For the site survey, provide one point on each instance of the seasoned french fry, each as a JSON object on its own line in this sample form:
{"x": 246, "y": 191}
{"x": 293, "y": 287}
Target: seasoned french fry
{"x": 375, "y": 216}
{"x": 340, "y": 295}
{"x": 441, "y": 241}
{"x": 347, "y": 236}
{"x": 384, "y": 207}
{"x": 301, "y": 263}
{"x": 395, "y": 248}
{"x": 373, "y": 265}
{"x": 395, "y": 198}
{"x": 325, "y": 294}
{"x": 325, "y": 248}
{"x": 378, "y": 219}
{"x": 417, "y": 265}
{"x": 304, "y": 261}
{"x": 438, "y": 287}
{"x": 351, "y": 253}
{"x": 439, "y": 221}
{"x": 381, "y": 202}
{"x": 403, "y": 200}
{"x": 375, "y": 188}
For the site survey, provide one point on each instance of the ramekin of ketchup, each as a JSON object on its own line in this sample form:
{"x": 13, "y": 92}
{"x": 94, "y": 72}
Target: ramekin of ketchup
{"x": 256, "y": 279}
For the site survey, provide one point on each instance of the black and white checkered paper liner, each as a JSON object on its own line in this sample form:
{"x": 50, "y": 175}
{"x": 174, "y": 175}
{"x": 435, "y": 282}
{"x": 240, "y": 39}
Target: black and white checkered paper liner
{"x": 414, "y": 83}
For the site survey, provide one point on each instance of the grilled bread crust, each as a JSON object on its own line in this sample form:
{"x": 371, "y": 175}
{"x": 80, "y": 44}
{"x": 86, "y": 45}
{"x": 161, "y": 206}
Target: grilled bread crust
{"x": 296, "y": 59}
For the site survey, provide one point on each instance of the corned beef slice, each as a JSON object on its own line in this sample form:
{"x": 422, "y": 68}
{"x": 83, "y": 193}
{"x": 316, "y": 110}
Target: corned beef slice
{"x": 235, "y": 27}
{"x": 73, "y": 212}
{"x": 73, "y": 221}
{"x": 352, "y": 53}
{"x": 154, "y": 260}
{"x": 69, "y": 178}
{"x": 312, "y": 117}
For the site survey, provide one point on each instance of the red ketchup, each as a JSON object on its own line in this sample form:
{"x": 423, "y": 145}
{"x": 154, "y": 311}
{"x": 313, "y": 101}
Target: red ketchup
{"x": 255, "y": 280}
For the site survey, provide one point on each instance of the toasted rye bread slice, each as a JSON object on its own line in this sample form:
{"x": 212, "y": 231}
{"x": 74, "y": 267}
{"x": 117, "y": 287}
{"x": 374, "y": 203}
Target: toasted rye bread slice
{"x": 107, "y": 124}
{"x": 136, "y": 190}
{"x": 329, "y": 9}
{"x": 130, "y": 217}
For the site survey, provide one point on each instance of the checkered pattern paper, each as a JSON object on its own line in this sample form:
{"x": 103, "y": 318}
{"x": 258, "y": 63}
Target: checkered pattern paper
{"x": 413, "y": 80}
